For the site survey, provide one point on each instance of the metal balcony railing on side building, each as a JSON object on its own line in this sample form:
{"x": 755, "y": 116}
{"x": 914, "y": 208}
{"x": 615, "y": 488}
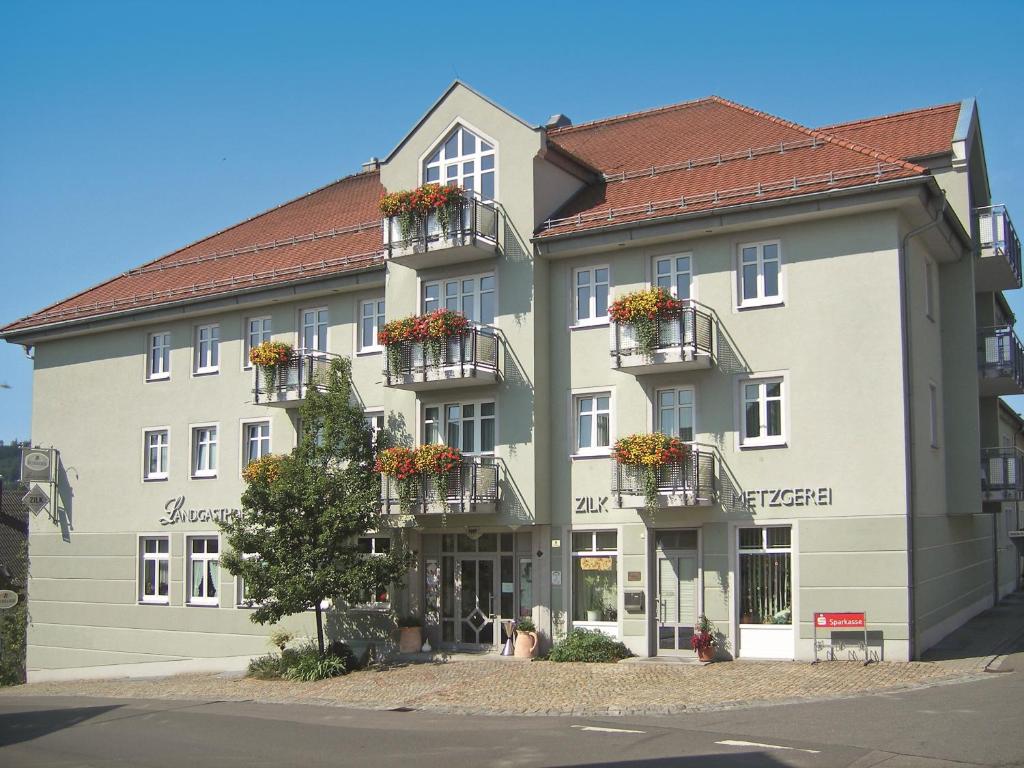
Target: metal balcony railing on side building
{"x": 996, "y": 232}
{"x": 1000, "y": 357}
{"x": 1002, "y": 474}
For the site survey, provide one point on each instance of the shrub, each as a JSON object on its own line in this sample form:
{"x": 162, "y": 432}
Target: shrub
{"x": 309, "y": 665}
{"x": 589, "y": 646}
{"x": 305, "y": 664}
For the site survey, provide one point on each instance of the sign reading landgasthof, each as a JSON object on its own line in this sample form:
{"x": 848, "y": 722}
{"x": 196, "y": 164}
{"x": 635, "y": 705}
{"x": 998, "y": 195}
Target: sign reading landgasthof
{"x": 840, "y": 620}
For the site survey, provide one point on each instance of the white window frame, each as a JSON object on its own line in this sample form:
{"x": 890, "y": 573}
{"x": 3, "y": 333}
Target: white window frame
{"x": 673, "y": 273}
{"x": 574, "y": 414}
{"x": 477, "y": 295}
{"x": 165, "y": 472}
{"x": 377, "y": 316}
{"x": 142, "y": 558}
{"x": 593, "y": 319}
{"x": 240, "y": 601}
{"x": 202, "y": 600}
{"x": 375, "y": 419}
{"x": 373, "y": 604}
{"x": 324, "y": 321}
{"x": 194, "y": 435}
{"x": 161, "y": 372}
{"x": 677, "y": 408}
{"x": 246, "y": 441}
{"x": 474, "y": 157}
{"x": 760, "y": 299}
{"x": 475, "y": 422}
{"x": 265, "y": 333}
{"x": 574, "y": 553}
{"x": 794, "y": 572}
{"x": 933, "y": 414}
{"x": 204, "y": 364}
{"x": 762, "y": 380}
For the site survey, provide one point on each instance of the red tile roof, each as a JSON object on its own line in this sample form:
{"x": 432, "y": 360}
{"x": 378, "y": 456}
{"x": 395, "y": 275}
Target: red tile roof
{"x": 911, "y": 135}
{"x": 707, "y": 154}
{"x": 330, "y": 230}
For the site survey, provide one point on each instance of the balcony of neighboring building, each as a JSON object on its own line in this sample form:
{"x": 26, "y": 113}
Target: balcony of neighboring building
{"x": 1002, "y": 474}
{"x": 998, "y": 266}
{"x": 1000, "y": 362}
{"x": 473, "y": 486}
{"x": 289, "y": 382}
{"x": 467, "y": 231}
{"x": 677, "y": 339}
{"x": 688, "y": 482}
{"x": 470, "y": 358}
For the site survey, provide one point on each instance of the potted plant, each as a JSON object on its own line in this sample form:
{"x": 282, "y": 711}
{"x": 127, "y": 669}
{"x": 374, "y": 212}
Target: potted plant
{"x": 705, "y": 640}
{"x": 648, "y": 453}
{"x": 526, "y": 638}
{"x": 410, "y": 633}
{"x": 268, "y": 356}
{"x": 643, "y": 311}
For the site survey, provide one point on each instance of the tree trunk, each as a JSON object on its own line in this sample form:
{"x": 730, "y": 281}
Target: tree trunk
{"x": 320, "y": 626}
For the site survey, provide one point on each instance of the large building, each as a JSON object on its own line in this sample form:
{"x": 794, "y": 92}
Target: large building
{"x": 832, "y": 365}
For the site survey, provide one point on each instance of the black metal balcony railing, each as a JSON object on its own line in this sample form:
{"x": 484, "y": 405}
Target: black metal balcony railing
{"x": 473, "y": 219}
{"x": 996, "y": 231}
{"x": 471, "y": 484}
{"x": 690, "y": 328}
{"x": 1000, "y": 354}
{"x": 693, "y": 477}
{"x": 1002, "y": 474}
{"x": 292, "y": 380}
{"x": 464, "y": 354}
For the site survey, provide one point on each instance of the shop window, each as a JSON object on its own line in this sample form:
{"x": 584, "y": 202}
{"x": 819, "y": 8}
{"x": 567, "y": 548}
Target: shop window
{"x": 595, "y": 579}
{"x": 765, "y": 575}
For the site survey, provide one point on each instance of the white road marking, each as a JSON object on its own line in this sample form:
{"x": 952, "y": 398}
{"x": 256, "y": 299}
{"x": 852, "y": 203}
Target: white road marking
{"x": 604, "y": 730}
{"x": 734, "y": 743}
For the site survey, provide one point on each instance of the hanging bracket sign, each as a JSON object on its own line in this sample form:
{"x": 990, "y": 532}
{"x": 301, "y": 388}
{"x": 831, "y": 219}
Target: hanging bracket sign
{"x": 36, "y": 499}
{"x": 8, "y": 599}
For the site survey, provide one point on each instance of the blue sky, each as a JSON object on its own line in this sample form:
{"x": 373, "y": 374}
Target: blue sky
{"x": 129, "y": 129}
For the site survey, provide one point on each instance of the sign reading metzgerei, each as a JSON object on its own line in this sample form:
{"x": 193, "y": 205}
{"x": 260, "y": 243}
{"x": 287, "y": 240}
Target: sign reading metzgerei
{"x": 176, "y": 512}
{"x": 37, "y": 465}
{"x": 789, "y": 497}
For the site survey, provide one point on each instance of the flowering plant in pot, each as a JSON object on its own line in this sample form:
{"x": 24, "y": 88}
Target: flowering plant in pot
{"x": 399, "y": 463}
{"x": 526, "y": 638}
{"x": 438, "y": 462}
{"x": 268, "y": 356}
{"x": 411, "y": 205}
{"x": 705, "y": 640}
{"x": 431, "y": 329}
{"x": 648, "y": 453}
{"x": 643, "y": 310}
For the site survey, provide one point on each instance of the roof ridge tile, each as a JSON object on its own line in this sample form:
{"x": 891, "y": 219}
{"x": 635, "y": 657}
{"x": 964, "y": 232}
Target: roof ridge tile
{"x": 629, "y": 116}
{"x": 905, "y": 114}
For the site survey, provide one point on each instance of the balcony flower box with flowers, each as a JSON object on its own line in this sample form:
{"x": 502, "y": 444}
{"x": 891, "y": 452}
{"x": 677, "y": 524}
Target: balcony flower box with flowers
{"x": 654, "y": 332}
{"x": 438, "y": 350}
{"x": 435, "y": 478}
{"x": 653, "y": 471}
{"x": 433, "y": 225}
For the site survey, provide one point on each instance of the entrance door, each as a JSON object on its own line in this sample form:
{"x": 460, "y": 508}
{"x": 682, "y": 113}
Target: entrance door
{"x": 677, "y": 600}
{"x": 476, "y": 587}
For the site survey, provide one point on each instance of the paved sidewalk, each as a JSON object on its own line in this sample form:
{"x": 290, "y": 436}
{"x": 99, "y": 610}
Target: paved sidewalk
{"x": 495, "y": 685}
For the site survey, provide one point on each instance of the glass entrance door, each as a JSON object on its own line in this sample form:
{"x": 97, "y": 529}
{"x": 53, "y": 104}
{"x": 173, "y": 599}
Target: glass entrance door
{"x": 677, "y": 604}
{"x": 476, "y": 587}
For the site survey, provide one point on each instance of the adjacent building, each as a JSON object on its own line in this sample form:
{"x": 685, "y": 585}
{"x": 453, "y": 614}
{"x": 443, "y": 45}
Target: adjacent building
{"x": 832, "y": 365}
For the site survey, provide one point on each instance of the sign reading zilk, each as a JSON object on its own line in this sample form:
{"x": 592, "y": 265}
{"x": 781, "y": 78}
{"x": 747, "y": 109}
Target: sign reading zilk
{"x": 789, "y": 497}
{"x": 176, "y": 513}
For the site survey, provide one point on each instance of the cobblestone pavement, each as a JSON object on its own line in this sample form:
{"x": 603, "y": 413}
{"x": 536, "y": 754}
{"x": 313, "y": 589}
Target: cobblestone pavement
{"x": 505, "y": 686}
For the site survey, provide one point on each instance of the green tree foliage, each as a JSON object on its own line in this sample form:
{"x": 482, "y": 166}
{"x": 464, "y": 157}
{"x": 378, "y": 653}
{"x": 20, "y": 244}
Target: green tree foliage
{"x": 303, "y": 511}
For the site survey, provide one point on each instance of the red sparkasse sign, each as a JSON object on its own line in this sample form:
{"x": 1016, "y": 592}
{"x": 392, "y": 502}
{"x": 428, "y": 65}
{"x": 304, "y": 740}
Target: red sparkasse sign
{"x": 840, "y": 620}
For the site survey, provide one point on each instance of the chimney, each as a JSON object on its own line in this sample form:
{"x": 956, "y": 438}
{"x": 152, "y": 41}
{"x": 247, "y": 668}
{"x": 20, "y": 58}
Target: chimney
{"x": 371, "y": 165}
{"x": 558, "y": 121}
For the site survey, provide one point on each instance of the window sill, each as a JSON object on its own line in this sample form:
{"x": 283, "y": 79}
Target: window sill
{"x": 201, "y": 605}
{"x": 600, "y": 455}
{"x": 602, "y": 323}
{"x": 774, "y": 627}
{"x": 155, "y": 602}
{"x": 370, "y": 351}
{"x": 156, "y": 479}
{"x": 760, "y": 304}
{"x": 165, "y": 377}
{"x": 212, "y": 476}
{"x": 206, "y": 372}
{"x": 757, "y": 446}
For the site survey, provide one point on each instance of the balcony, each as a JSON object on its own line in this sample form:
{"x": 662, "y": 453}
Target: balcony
{"x": 998, "y": 268}
{"x": 293, "y": 379}
{"x": 473, "y": 236}
{"x": 473, "y": 487}
{"x": 688, "y": 483}
{"x": 683, "y": 342}
{"x": 1002, "y": 478}
{"x": 1000, "y": 362}
{"x": 467, "y": 359}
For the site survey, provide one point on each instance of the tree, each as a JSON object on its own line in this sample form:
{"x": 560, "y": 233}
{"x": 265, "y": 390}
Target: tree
{"x": 295, "y": 541}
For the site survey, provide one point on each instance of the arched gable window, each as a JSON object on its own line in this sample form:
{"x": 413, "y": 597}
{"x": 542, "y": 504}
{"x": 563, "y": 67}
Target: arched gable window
{"x": 465, "y": 159}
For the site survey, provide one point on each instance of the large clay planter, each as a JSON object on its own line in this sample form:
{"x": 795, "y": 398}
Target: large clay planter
{"x": 410, "y": 640}
{"x": 526, "y": 645}
{"x": 706, "y": 654}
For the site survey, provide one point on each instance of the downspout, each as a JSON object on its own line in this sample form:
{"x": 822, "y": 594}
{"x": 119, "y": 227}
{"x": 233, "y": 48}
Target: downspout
{"x": 908, "y": 427}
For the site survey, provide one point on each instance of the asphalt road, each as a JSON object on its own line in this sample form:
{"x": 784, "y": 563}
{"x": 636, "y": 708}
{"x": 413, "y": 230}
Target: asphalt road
{"x": 976, "y": 723}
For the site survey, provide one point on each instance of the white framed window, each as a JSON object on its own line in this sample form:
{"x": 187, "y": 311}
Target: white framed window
{"x": 470, "y": 427}
{"x": 929, "y": 289}
{"x": 595, "y": 580}
{"x": 463, "y": 159}
{"x": 933, "y": 414}
{"x": 313, "y": 329}
{"x": 762, "y": 411}
{"x": 257, "y": 330}
{"x": 765, "y": 574}
{"x": 371, "y": 320}
{"x": 473, "y": 296}
{"x": 157, "y": 450}
{"x": 154, "y": 569}
{"x": 676, "y": 411}
{"x": 207, "y": 349}
{"x": 760, "y": 274}
{"x": 592, "y": 423}
{"x": 675, "y": 274}
{"x": 242, "y": 598}
{"x": 372, "y": 546}
{"x": 204, "y": 450}
{"x": 375, "y": 421}
{"x": 158, "y": 357}
{"x": 203, "y": 569}
{"x": 590, "y": 295}
{"x": 255, "y": 441}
